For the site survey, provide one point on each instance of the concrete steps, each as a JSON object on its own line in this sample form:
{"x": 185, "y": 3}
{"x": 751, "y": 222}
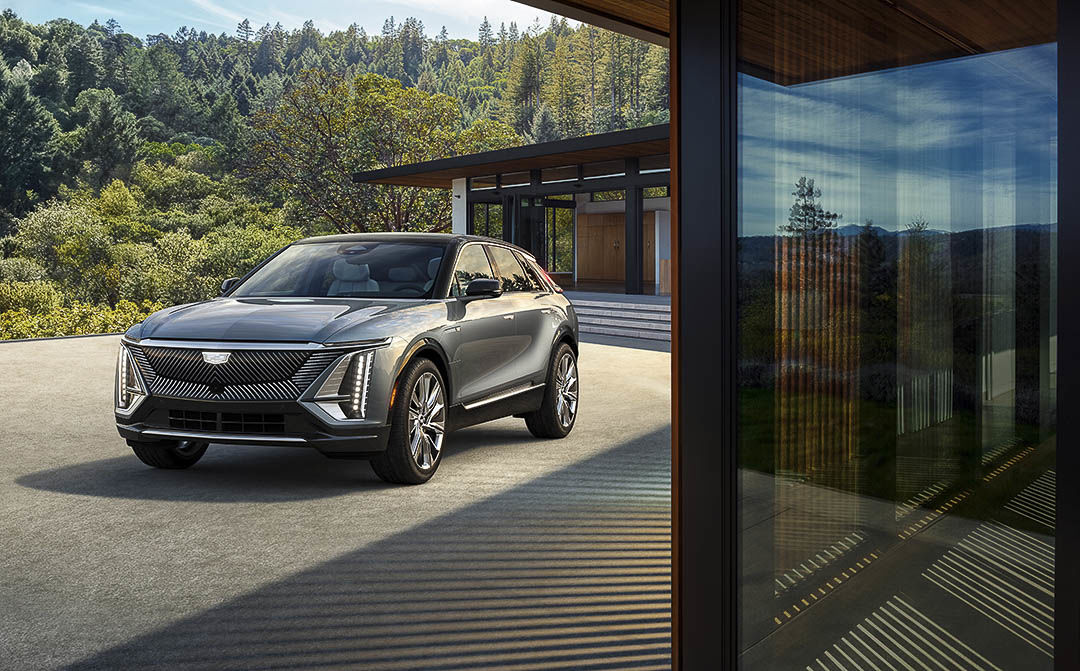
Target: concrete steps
{"x": 640, "y": 321}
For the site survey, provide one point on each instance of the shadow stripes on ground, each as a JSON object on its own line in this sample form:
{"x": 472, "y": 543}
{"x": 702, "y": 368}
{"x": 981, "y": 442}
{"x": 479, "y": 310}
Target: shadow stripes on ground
{"x": 571, "y": 571}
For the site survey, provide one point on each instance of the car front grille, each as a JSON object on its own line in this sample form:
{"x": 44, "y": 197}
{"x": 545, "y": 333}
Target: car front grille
{"x": 248, "y": 375}
{"x": 227, "y": 422}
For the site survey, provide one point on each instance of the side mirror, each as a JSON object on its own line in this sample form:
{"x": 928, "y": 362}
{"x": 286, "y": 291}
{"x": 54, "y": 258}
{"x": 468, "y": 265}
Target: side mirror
{"x": 483, "y": 287}
{"x": 228, "y": 284}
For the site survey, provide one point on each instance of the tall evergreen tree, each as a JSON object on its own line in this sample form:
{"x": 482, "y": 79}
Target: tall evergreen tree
{"x": 85, "y": 63}
{"x": 28, "y": 132}
{"x": 525, "y": 83}
{"x": 485, "y": 37}
{"x": 564, "y": 92}
{"x": 244, "y": 33}
{"x": 544, "y": 128}
{"x": 109, "y": 138}
{"x": 51, "y": 78}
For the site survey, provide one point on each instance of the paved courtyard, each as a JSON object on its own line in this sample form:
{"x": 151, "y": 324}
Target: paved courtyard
{"x": 519, "y": 554}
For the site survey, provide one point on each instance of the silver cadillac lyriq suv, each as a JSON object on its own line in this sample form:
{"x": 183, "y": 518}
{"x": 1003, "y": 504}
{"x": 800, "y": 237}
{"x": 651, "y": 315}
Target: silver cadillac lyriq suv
{"x": 369, "y": 346}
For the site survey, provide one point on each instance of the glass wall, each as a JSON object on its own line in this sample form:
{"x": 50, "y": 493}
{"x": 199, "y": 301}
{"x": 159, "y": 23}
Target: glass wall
{"x": 560, "y": 239}
{"x": 897, "y": 372}
{"x": 487, "y": 219}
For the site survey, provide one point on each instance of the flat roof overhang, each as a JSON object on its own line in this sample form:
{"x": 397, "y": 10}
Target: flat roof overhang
{"x": 811, "y": 41}
{"x": 440, "y": 174}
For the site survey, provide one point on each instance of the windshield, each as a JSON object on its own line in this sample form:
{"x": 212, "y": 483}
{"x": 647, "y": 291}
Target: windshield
{"x": 354, "y": 269}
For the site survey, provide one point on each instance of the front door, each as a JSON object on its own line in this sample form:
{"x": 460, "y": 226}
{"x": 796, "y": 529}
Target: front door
{"x": 486, "y": 342}
{"x": 532, "y": 342}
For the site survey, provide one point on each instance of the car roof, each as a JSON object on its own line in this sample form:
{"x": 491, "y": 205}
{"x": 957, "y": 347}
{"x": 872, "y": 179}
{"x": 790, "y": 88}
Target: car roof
{"x": 445, "y": 238}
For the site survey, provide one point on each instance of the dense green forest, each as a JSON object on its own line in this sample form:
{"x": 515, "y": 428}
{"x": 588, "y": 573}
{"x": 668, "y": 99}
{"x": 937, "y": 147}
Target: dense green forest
{"x": 138, "y": 173}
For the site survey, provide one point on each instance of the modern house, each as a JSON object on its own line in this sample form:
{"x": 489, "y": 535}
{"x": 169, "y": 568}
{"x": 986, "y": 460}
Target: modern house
{"x": 594, "y": 210}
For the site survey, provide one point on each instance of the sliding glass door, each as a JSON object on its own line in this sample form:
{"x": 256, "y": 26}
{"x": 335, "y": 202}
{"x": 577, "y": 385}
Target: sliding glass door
{"x": 897, "y": 194}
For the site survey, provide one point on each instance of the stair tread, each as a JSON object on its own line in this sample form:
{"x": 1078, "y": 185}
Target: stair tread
{"x": 626, "y": 323}
{"x": 623, "y": 314}
{"x": 622, "y": 333}
{"x": 647, "y": 307}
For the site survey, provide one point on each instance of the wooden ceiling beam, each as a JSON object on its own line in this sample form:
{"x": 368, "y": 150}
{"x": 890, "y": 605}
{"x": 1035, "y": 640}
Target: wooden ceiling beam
{"x": 644, "y": 19}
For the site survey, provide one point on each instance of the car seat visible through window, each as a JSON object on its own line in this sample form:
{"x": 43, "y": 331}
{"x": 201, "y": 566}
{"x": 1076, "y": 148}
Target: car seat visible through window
{"x": 351, "y": 278}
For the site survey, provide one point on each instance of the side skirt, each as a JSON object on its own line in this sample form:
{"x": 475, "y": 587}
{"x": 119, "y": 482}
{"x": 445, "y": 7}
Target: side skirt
{"x": 518, "y": 404}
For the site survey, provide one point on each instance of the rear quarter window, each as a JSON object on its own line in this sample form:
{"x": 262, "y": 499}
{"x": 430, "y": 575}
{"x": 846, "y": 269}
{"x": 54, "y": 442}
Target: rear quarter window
{"x": 533, "y": 274}
{"x": 511, "y": 275}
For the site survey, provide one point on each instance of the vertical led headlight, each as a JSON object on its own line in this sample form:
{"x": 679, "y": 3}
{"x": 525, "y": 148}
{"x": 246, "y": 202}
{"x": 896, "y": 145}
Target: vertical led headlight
{"x": 129, "y": 388}
{"x": 344, "y": 394}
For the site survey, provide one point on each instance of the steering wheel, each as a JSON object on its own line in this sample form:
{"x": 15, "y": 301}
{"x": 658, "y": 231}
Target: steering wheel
{"x": 418, "y": 288}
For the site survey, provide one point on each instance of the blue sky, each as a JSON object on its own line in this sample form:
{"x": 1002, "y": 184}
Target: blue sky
{"x": 964, "y": 143}
{"x": 461, "y": 17}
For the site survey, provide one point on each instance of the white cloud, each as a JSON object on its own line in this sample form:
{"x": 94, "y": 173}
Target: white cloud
{"x": 214, "y": 8}
{"x": 110, "y": 12}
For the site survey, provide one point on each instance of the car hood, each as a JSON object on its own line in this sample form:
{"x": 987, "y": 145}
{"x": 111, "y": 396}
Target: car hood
{"x": 268, "y": 319}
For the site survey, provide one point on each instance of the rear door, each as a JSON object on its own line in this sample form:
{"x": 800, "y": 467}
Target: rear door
{"x": 487, "y": 343}
{"x": 532, "y": 326}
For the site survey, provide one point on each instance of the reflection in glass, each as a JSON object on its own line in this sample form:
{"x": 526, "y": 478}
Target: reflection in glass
{"x": 487, "y": 219}
{"x": 560, "y": 239}
{"x": 897, "y": 374}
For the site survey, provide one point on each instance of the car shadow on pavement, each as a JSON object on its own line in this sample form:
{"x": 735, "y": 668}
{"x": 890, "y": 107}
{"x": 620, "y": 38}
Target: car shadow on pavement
{"x": 570, "y": 570}
{"x": 235, "y": 473}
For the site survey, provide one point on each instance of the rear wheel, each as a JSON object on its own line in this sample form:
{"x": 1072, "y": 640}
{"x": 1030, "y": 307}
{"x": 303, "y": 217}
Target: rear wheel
{"x": 418, "y": 426}
{"x": 168, "y": 453}
{"x": 557, "y": 414}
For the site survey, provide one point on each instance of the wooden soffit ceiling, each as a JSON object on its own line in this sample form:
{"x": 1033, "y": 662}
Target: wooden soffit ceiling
{"x": 799, "y": 41}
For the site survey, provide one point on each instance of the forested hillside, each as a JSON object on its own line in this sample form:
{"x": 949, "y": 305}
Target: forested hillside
{"x": 140, "y": 172}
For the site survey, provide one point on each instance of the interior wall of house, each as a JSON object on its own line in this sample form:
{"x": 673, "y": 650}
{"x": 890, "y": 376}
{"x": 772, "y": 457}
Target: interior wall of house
{"x": 601, "y": 241}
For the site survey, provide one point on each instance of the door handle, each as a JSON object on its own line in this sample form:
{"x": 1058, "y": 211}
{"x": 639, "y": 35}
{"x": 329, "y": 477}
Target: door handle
{"x": 508, "y": 316}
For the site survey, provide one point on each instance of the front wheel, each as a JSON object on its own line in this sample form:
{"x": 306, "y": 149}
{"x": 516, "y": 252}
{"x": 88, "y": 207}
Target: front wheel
{"x": 418, "y": 426}
{"x": 169, "y": 454}
{"x": 557, "y": 414}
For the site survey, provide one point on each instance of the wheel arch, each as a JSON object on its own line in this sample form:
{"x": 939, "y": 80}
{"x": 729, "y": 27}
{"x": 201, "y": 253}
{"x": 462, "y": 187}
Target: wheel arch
{"x": 427, "y": 348}
{"x": 565, "y": 335}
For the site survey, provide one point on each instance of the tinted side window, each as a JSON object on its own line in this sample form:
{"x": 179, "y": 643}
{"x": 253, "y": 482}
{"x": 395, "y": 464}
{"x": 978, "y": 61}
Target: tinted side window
{"x": 510, "y": 271}
{"x": 532, "y": 274}
{"x": 472, "y": 263}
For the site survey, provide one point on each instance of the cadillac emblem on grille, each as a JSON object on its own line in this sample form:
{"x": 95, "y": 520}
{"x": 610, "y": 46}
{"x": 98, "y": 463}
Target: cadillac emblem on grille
{"x": 216, "y": 358}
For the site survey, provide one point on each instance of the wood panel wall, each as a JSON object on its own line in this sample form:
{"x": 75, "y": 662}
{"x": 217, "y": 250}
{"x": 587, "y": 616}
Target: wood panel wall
{"x": 601, "y": 247}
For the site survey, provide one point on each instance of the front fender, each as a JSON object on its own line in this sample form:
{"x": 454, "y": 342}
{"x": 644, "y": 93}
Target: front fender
{"x": 424, "y": 345}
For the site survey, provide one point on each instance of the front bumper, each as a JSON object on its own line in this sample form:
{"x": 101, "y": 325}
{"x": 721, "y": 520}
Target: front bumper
{"x": 276, "y": 423}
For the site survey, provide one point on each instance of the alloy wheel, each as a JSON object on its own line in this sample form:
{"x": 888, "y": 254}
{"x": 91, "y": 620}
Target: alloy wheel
{"x": 566, "y": 390}
{"x": 427, "y": 420}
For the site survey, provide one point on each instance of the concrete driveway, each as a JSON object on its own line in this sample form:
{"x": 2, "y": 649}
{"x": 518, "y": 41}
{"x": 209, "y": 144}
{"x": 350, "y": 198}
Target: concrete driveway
{"x": 520, "y": 554}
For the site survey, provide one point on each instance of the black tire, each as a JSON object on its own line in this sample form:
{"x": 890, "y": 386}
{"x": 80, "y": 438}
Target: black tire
{"x": 550, "y": 421}
{"x": 168, "y": 453}
{"x": 404, "y": 462}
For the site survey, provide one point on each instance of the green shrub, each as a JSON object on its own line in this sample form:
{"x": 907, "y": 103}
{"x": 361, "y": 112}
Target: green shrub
{"x": 166, "y": 186}
{"x": 36, "y": 297}
{"x": 19, "y": 269}
{"x": 77, "y": 319}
